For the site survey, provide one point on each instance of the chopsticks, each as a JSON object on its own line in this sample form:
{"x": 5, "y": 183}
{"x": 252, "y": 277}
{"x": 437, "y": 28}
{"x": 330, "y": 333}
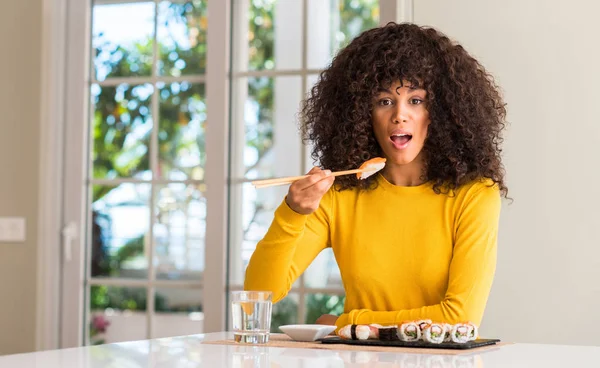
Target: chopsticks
{"x": 265, "y": 183}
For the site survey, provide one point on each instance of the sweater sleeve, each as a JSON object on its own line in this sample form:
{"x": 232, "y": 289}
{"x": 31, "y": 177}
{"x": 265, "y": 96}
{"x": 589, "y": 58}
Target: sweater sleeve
{"x": 289, "y": 246}
{"x": 471, "y": 269}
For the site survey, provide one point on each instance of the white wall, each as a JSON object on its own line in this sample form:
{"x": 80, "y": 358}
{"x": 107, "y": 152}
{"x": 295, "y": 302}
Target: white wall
{"x": 20, "y": 65}
{"x": 546, "y": 57}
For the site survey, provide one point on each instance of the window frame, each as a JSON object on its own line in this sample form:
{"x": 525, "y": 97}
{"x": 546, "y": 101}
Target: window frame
{"x": 75, "y": 276}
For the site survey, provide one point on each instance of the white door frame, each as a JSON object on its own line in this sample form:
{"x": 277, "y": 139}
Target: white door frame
{"x": 54, "y": 30}
{"x": 63, "y": 99}
{"x": 76, "y": 121}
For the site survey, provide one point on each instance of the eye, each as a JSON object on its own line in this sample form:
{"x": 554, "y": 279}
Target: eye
{"x": 416, "y": 101}
{"x": 385, "y": 102}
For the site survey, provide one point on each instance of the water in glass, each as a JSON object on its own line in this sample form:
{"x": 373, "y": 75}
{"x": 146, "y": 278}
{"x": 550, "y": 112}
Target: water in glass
{"x": 251, "y": 318}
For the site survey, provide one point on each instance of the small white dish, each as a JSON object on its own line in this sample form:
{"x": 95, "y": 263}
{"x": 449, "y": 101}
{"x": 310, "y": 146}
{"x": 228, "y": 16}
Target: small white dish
{"x": 307, "y": 332}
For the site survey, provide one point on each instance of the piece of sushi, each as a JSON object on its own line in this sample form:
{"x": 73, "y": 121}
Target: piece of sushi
{"x": 374, "y": 331}
{"x": 434, "y": 333}
{"x": 461, "y": 333}
{"x": 422, "y": 323}
{"x": 409, "y": 331}
{"x": 354, "y": 332}
{"x": 373, "y": 165}
{"x": 388, "y": 333}
{"x": 448, "y": 337}
{"x": 474, "y": 333}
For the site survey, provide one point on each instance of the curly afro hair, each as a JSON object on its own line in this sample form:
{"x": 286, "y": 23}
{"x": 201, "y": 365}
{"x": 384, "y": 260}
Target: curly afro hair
{"x": 465, "y": 107}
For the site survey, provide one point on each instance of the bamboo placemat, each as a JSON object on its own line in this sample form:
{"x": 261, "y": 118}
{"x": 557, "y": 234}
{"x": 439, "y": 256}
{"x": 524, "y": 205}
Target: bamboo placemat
{"x": 284, "y": 341}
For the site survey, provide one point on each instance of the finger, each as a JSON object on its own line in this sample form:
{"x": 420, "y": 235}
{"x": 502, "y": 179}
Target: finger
{"x": 315, "y": 169}
{"x": 302, "y": 183}
{"x": 323, "y": 185}
{"x": 317, "y": 177}
{"x": 318, "y": 190}
{"x": 296, "y": 190}
{"x": 312, "y": 179}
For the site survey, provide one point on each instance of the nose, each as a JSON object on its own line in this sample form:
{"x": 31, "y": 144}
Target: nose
{"x": 400, "y": 114}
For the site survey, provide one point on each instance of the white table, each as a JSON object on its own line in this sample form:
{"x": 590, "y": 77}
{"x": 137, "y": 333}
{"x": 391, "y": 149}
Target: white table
{"x": 188, "y": 351}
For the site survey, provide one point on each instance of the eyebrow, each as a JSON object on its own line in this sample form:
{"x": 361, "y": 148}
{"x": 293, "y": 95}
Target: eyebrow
{"x": 414, "y": 88}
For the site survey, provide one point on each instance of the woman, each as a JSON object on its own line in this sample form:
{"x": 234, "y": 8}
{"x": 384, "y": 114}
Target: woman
{"x": 418, "y": 239}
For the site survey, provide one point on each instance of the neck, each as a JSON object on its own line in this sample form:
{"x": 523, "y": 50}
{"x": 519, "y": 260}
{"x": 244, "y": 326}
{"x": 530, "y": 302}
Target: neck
{"x": 407, "y": 175}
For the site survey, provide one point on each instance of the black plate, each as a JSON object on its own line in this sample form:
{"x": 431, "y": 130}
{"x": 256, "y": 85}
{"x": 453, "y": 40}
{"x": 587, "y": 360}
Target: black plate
{"x": 412, "y": 344}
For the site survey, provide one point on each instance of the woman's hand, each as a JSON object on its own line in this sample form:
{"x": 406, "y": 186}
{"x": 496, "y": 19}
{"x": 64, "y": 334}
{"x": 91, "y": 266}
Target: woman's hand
{"x": 327, "y": 319}
{"x": 305, "y": 194}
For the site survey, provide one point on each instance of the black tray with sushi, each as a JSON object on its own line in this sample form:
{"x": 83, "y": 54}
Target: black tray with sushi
{"x": 412, "y": 344}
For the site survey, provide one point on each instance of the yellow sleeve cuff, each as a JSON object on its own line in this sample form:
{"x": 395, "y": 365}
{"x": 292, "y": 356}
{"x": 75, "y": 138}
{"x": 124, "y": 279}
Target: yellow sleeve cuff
{"x": 289, "y": 217}
{"x": 342, "y": 321}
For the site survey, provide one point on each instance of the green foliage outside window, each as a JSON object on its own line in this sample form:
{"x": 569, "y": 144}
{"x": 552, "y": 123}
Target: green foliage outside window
{"x": 122, "y": 118}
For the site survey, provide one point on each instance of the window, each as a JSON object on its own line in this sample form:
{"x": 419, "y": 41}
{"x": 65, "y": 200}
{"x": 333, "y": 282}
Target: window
{"x": 151, "y": 206}
{"x": 279, "y": 49}
{"x": 146, "y": 203}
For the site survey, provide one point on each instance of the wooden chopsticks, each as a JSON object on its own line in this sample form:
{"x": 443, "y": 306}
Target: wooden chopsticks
{"x": 265, "y": 183}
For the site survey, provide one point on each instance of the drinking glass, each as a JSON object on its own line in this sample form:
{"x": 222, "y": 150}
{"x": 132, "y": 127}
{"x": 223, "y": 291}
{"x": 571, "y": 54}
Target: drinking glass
{"x": 251, "y": 316}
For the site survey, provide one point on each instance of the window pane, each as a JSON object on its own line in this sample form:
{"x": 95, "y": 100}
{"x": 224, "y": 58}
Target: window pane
{"x": 180, "y": 231}
{"x": 334, "y": 23}
{"x": 182, "y": 131}
{"x": 273, "y": 38}
{"x": 323, "y": 272}
{"x": 182, "y": 27}
{"x": 121, "y": 129}
{"x": 272, "y": 143}
{"x": 285, "y": 312}
{"x": 120, "y": 223}
{"x": 178, "y": 312}
{"x": 122, "y": 39}
{"x": 309, "y": 162}
{"x": 117, "y": 314}
{"x": 251, "y": 215}
{"x": 319, "y": 304}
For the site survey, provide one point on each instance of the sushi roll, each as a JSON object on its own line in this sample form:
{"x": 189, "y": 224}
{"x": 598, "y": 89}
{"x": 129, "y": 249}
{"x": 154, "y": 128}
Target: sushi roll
{"x": 422, "y": 323}
{"x": 461, "y": 333}
{"x": 434, "y": 333}
{"x": 409, "y": 331}
{"x": 474, "y": 332}
{"x": 374, "y": 331}
{"x": 448, "y": 337}
{"x": 354, "y": 332}
{"x": 388, "y": 333}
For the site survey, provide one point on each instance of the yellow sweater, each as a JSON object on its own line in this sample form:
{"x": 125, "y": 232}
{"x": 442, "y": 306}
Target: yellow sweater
{"x": 404, "y": 253}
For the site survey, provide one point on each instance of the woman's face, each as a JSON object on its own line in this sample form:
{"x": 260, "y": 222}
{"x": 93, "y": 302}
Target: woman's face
{"x": 400, "y": 122}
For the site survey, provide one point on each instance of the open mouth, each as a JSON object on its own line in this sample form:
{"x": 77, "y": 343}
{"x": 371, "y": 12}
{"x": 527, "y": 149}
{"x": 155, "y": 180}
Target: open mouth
{"x": 401, "y": 140}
